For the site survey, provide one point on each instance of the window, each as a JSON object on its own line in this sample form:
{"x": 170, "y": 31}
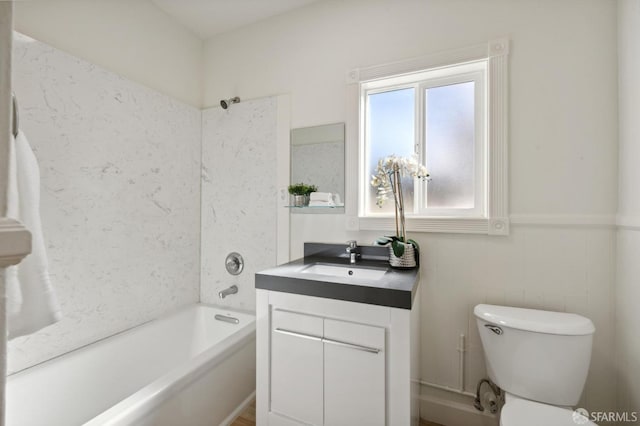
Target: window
{"x": 450, "y": 111}
{"x": 439, "y": 116}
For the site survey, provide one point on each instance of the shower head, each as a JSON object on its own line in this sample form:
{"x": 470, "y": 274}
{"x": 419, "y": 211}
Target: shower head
{"x": 226, "y": 103}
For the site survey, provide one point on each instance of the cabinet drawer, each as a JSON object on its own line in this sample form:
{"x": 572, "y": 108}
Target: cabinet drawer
{"x": 357, "y": 334}
{"x": 299, "y": 323}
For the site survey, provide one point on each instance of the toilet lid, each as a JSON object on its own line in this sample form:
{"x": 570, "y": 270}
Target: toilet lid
{"x": 520, "y": 412}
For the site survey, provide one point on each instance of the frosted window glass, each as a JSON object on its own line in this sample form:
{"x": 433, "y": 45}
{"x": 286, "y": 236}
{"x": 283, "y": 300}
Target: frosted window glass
{"x": 391, "y": 127}
{"x": 450, "y": 141}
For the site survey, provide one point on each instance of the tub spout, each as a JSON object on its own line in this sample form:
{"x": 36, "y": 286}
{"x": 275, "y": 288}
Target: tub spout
{"x": 227, "y": 291}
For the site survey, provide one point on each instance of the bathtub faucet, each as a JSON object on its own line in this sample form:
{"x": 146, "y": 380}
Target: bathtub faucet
{"x": 227, "y": 291}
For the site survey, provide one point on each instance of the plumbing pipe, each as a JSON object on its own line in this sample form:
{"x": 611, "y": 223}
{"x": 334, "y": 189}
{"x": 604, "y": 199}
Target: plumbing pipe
{"x": 461, "y": 350}
{"x": 446, "y": 388}
{"x": 461, "y": 357}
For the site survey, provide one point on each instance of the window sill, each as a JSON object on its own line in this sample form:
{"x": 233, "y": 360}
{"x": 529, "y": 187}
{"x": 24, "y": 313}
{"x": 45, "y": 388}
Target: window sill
{"x": 457, "y": 225}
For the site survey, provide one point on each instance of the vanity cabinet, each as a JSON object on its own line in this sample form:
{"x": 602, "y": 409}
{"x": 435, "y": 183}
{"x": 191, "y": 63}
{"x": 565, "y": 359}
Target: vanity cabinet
{"x": 326, "y": 371}
{"x": 332, "y": 362}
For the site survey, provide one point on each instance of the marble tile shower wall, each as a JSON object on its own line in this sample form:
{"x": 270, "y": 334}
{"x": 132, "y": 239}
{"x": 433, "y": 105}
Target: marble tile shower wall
{"x": 120, "y": 197}
{"x": 238, "y": 197}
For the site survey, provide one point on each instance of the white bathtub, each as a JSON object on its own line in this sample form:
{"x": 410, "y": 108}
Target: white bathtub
{"x": 184, "y": 369}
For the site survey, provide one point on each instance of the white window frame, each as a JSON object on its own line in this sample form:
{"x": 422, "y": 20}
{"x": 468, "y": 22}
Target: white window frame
{"x": 494, "y": 217}
{"x": 471, "y": 72}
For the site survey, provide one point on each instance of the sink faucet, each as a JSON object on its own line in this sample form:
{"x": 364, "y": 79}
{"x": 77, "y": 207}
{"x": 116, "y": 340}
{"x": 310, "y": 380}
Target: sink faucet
{"x": 227, "y": 291}
{"x": 353, "y": 250}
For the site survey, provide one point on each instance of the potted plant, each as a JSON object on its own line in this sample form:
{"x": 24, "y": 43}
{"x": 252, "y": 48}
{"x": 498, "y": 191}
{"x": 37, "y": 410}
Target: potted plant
{"x": 387, "y": 180}
{"x": 300, "y": 193}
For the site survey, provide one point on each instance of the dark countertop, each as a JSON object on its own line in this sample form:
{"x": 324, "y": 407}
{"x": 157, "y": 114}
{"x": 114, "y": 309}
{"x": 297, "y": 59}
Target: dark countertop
{"x": 395, "y": 289}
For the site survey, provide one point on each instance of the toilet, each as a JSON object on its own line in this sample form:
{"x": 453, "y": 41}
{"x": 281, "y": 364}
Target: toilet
{"x": 540, "y": 359}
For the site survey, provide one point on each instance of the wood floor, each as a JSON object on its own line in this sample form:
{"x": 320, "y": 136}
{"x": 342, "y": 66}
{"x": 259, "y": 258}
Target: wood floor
{"x": 248, "y": 418}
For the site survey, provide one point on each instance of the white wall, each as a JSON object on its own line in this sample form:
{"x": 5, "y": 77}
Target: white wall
{"x": 563, "y": 155}
{"x": 563, "y": 74}
{"x": 6, "y": 21}
{"x": 132, "y": 38}
{"x": 628, "y": 106}
{"x": 120, "y": 197}
{"x": 628, "y": 248}
{"x": 238, "y": 197}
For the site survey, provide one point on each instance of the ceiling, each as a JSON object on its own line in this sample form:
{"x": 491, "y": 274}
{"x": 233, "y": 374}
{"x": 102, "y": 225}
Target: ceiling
{"x": 210, "y": 17}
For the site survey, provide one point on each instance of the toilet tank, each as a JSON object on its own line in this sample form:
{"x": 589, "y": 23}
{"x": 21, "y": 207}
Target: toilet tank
{"x": 538, "y": 355}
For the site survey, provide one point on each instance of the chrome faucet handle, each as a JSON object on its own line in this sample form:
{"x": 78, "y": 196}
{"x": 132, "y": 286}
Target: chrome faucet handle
{"x": 353, "y": 250}
{"x": 234, "y": 263}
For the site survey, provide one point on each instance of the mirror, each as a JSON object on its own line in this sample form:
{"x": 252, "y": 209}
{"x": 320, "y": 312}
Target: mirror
{"x": 317, "y": 158}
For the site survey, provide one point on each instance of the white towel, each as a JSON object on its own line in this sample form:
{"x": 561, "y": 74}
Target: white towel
{"x": 31, "y": 301}
{"x": 321, "y": 196}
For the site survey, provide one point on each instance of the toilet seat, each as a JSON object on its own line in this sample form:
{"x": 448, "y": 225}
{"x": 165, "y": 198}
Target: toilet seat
{"x": 522, "y": 412}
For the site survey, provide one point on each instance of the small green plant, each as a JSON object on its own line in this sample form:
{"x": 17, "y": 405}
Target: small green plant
{"x": 302, "y": 189}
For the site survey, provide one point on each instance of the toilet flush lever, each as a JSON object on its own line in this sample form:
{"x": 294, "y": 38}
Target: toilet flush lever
{"x": 494, "y": 328}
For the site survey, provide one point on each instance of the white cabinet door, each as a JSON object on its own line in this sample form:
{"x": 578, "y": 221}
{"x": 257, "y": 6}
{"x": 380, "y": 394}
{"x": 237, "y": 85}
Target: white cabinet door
{"x": 354, "y": 374}
{"x": 296, "y": 366}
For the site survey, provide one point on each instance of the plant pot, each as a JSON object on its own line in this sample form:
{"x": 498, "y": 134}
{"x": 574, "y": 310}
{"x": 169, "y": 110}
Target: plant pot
{"x": 300, "y": 200}
{"x": 406, "y": 261}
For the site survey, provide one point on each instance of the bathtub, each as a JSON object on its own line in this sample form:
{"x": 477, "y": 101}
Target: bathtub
{"x": 187, "y": 368}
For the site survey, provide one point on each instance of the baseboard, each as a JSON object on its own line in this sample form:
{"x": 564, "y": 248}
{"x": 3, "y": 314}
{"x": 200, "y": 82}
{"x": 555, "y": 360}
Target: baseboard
{"x": 453, "y": 413}
{"x": 239, "y": 409}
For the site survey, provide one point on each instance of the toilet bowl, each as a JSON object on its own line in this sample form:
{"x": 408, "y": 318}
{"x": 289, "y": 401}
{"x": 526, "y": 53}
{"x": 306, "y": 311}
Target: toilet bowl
{"x": 523, "y": 412}
{"x": 540, "y": 359}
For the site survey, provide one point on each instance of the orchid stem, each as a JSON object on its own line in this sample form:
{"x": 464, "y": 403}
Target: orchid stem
{"x": 399, "y": 204}
{"x": 395, "y": 197}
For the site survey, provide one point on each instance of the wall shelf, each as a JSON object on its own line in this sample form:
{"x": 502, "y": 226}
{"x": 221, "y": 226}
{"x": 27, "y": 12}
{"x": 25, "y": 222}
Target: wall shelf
{"x": 316, "y": 209}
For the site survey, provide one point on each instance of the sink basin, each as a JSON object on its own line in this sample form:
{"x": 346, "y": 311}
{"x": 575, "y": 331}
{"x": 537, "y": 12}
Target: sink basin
{"x": 345, "y": 271}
